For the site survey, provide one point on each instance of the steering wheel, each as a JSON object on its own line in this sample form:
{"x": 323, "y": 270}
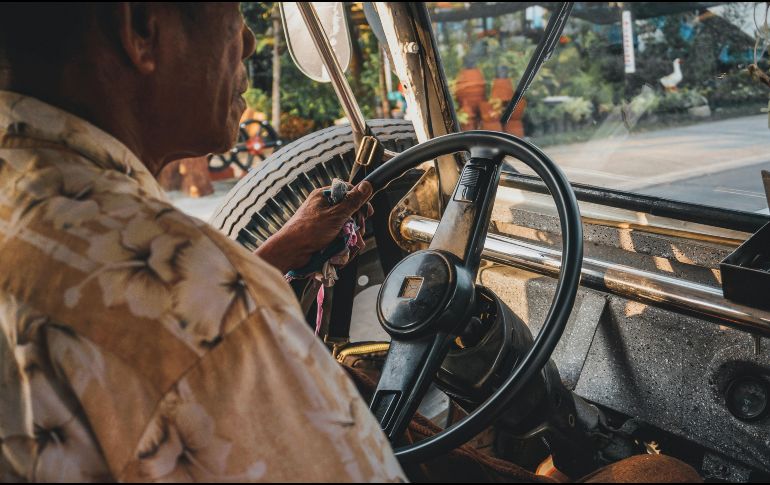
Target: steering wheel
{"x": 427, "y": 299}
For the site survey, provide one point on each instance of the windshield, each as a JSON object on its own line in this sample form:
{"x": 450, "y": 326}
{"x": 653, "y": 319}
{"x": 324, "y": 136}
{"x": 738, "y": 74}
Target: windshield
{"x": 654, "y": 98}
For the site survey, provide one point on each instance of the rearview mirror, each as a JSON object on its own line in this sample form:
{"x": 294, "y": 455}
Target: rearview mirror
{"x": 301, "y": 45}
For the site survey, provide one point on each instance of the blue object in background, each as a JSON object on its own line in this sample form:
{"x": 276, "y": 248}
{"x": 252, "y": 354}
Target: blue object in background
{"x": 615, "y": 34}
{"x": 396, "y": 96}
{"x": 724, "y": 54}
{"x": 686, "y": 31}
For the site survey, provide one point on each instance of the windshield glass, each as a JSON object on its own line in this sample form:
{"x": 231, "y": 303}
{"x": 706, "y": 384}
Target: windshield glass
{"x": 654, "y": 98}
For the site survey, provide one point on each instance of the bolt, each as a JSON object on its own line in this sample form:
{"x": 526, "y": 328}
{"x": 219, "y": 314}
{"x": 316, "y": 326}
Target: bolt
{"x": 411, "y": 48}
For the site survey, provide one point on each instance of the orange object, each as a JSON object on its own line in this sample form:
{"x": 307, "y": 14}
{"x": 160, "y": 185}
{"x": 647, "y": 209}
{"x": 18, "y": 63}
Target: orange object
{"x": 470, "y": 91}
{"x": 548, "y": 469}
{"x": 195, "y": 176}
{"x": 502, "y": 89}
{"x": 490, "y": 117}
{"x": 515, "y": 125}
{"x": 470, "y": 87}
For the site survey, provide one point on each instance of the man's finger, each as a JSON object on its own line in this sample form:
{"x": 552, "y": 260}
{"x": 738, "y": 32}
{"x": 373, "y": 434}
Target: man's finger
{"x": 356, "y": 197}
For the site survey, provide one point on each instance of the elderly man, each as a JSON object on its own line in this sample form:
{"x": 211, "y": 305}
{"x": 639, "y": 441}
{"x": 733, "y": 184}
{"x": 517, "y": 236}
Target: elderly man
{"x": 138, "y": 343}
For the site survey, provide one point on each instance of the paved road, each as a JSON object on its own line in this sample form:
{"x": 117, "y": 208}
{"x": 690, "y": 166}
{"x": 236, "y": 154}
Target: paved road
{"x": 739, "y": 189}
{"x": 203, "y": 207}
{"x": 715, "y": 163}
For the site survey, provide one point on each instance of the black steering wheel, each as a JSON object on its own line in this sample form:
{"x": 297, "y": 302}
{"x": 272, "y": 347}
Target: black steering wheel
{"x": 427, "y": 299}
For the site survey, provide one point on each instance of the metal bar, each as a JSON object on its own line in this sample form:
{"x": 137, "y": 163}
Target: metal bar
{"x": 337, "y": 75}
{"x": 665, "y": 231}
{"x": 684, "y": 211}
{"x": 417, "y": 63}
{"x": 702, "y": 301}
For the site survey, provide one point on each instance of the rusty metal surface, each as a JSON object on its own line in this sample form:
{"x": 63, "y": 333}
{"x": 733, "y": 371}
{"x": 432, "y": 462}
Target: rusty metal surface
{"x": 635, "y": 355}
{"x": 417, "y": 64}
{"x": 422, "y": 199}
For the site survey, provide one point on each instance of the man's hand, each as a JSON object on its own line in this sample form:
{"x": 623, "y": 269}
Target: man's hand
{"x": 313, "y": 227}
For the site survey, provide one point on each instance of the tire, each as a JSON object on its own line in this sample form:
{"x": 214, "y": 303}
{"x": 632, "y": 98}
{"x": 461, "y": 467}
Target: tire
{"x": 269, "y": 194}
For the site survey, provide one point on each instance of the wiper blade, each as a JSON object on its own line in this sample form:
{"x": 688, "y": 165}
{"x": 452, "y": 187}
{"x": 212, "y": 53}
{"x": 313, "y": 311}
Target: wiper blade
{"x": 542, "y": 53}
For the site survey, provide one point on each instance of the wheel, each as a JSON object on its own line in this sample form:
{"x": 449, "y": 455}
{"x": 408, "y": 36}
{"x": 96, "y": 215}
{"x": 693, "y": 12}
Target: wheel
{"x": 248, "y": 150}
{"x": 428, "y": 298}
{"x": 269, "y": 195}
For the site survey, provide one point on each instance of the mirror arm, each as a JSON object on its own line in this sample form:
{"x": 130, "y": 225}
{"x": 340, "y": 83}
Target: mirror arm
{"x": 337, "y": 75}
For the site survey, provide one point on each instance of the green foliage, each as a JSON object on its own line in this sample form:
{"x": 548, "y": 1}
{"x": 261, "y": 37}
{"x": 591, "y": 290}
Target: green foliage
{"x": 578, "y": 109}
{"x": 305, "y": 98}
{"x": 368, "y": 83}
{"x": 302, "y": 97}
{"x": 257, "y": 100}
{"x": 258, "y": 16}
{"x": 588, "y": 67}
{"x": 543, "y": 115}
{"x": 514, "y": 57}
{"x": 735, "y": 89}
{"x": 680, "y": 101}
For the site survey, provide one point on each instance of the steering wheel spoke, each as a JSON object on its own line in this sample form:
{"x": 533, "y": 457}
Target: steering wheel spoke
{"x": 406, "y": 375}
{"x": 465, "y": 222}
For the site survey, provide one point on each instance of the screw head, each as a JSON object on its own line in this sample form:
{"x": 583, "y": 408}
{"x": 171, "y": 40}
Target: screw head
{"x": 411, "y": 48}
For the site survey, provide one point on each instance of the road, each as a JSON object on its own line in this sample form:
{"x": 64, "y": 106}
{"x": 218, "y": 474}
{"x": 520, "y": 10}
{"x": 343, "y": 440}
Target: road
{"x": 713, "y": 163}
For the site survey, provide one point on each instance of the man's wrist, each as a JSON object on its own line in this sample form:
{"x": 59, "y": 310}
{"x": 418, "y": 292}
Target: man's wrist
{"x": 284, "y": 257}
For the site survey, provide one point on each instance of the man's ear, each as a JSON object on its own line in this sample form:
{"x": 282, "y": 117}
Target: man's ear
{"x": 138, "y": 33}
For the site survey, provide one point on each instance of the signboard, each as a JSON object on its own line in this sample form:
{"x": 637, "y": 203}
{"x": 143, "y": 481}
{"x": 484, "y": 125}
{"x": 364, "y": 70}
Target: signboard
{"x": 628, "y": 43}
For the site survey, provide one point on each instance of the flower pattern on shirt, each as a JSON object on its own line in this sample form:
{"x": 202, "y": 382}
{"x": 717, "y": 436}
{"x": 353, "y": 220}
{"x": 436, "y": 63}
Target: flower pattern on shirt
{"x": 139, "y": 344}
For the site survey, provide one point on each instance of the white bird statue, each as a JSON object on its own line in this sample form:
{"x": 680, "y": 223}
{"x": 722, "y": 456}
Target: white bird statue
{"x": 669, "y": 82}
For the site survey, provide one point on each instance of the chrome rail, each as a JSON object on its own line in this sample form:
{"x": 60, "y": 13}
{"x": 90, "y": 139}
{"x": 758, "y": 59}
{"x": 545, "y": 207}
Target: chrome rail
{"x": 702, "y": 301}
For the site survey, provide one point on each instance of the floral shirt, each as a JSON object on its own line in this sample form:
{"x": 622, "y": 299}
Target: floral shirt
{"x": 139, "y": 344}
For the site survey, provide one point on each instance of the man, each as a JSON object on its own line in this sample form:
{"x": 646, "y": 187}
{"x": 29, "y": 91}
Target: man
{"x": 138, "y": 343}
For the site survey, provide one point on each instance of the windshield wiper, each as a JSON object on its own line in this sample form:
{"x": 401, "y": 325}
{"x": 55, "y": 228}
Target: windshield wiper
{"x": 542, "y": 53}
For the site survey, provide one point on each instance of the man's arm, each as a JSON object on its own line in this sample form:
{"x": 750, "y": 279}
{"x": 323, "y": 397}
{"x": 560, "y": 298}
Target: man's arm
{"x": 312, "y": 228}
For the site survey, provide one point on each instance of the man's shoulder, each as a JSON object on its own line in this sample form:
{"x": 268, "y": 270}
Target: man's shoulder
{"x": 118, "y": 251}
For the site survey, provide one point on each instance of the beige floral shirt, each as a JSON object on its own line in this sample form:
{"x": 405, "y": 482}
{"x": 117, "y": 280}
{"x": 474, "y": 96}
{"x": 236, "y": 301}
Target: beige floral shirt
{"x": 139, "y": 344}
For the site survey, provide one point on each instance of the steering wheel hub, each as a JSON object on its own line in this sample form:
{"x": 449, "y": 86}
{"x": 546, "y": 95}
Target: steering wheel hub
{"x": 426, "y": 292}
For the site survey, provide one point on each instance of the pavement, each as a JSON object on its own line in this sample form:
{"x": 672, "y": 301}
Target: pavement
{"x": 715, "y": 163}
{"x": 202, "y": 207}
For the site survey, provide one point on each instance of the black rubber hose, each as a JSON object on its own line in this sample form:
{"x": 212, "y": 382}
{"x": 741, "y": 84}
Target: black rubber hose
{"x": 566, "y": 290}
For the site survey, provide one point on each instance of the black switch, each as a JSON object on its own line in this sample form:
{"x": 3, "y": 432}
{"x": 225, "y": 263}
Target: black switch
{"x": 468, "y": 188}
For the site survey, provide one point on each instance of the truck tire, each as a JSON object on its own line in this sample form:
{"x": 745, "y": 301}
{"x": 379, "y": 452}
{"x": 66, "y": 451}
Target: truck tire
{"x": 270, "y": 194}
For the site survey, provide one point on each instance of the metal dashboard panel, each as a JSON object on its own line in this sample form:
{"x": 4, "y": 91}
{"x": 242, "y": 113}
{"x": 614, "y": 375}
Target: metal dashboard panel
{"x": 666, "y": 369}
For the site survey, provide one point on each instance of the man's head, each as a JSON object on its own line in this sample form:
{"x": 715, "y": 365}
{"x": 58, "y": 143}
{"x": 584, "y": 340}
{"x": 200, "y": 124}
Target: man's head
{"x": 164, "y": 78}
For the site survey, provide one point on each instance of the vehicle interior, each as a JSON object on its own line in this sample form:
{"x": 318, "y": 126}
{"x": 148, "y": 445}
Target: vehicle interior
{"x": 573, "y": 304}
